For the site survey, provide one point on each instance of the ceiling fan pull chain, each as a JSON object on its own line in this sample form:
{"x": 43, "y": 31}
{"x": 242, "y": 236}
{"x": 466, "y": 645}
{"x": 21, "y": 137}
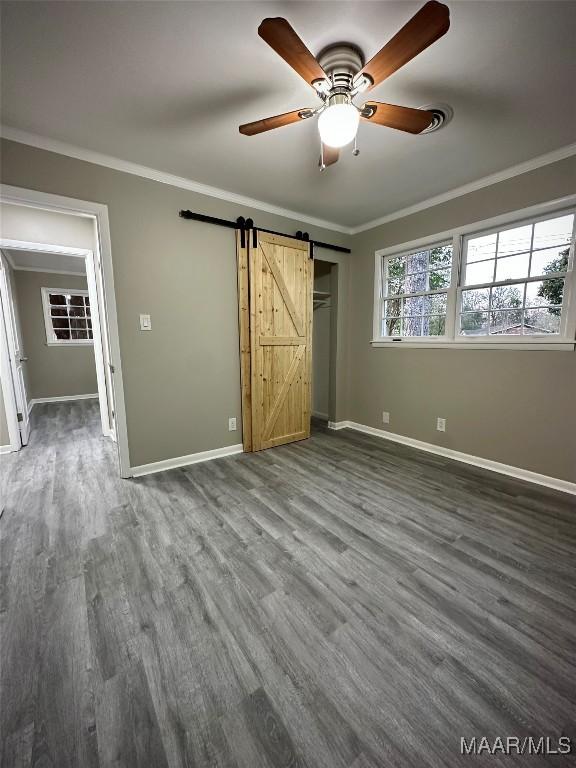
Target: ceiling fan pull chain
{"x": 321, "y": 163}
{"x": 356, "y": 151}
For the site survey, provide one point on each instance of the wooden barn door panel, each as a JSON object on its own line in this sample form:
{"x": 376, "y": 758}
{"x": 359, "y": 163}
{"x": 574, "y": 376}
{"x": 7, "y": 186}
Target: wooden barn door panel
{"x": 280, "y": 340}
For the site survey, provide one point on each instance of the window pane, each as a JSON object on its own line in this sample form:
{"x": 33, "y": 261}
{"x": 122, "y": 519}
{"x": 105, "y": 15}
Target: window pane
{"x": 58, "y": 312}
{"x": 411, "y": 326}
{"x": 76, "y": 301}
{"x": 474, "y": 323}
{"x": 88, "y": 311}
{"x": 87, "y": 300}
{"x": 441, "y": 256}
{"x": 393, "y": 307}
{"x": 435, "y": 304}
{"x": 76, "y": 311}
{"x": 549, "y": 260}
{"x": 515, "y": 240}
{"x": 540, "y": 321}
{"x": 78, "y": 324}
{"x": 418, "y": 262}
{"x": 79, "y": 334}
{"x": 506, "y": 322}
{"x": 545, "y": 292}
{"x": 512, "y": 267}
{"x": 392, "y": 326}
{"x": 475, "y": 300}
{"x": 395, "y": 287}
{"x": 56, "y": 298}
{"x": 89, "y": 323}
{"x": 417, "y": 282}
{"x": 481, "y": 272}
{"x": 480, "y": 248}
{"x": 434, "y": 325}
{"x": 90, "y": 336}
{"x": 413, "y": 306}
{"x": 507, "y": 296}
{"x": 440, "y": 279}
{"x": 60, "y": 322}
{"x": 553, "y": 232}
{"x": 397, "y": 266}
{"x": 62, "y": 334}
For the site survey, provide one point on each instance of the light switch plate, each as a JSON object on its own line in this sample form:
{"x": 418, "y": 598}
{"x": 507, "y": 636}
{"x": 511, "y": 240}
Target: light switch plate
{"x": 145, "y": 323}
{"x": 232, "y": 424}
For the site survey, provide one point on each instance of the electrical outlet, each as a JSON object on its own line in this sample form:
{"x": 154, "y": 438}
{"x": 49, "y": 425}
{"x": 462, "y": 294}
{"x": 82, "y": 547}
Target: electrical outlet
{"x": 385, "y": 417}
{"x": 145, "y": 323}
{"x": 232, "y": 424}
{"x": 441, "y": 425}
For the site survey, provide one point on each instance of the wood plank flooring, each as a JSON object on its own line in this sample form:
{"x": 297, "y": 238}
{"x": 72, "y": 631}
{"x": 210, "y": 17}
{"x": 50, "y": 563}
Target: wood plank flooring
{"x": 343, "y": 602}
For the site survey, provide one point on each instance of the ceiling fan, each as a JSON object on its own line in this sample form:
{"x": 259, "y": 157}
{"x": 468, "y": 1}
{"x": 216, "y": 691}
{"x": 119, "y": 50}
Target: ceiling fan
{"x": 339, "y": 74}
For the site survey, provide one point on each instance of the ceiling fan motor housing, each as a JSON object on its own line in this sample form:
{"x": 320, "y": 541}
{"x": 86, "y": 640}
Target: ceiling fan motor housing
{"x": 341, "y": 62}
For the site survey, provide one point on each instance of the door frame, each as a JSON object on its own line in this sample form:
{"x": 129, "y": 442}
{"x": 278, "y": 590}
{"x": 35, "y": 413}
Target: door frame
{"x": 13, "y": 334}
{"x": 7, "y": 383}
{"x": 104, "y": 300}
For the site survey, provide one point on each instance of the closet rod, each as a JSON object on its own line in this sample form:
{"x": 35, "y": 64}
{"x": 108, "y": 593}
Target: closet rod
{"x": 245, "y": 225}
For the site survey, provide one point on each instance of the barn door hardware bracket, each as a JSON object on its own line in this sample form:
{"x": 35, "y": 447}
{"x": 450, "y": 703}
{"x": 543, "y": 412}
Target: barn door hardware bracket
{"x": 306, "y": 237}
{"x": 245, "y": 225}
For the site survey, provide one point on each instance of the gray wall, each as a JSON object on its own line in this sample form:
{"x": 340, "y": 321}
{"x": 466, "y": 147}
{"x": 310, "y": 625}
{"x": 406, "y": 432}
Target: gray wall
{"x": 51, "y": 371}
{"x": 18, "y": 222}
{"x": 181, "y": 378}
{"x": 515, "y": 407}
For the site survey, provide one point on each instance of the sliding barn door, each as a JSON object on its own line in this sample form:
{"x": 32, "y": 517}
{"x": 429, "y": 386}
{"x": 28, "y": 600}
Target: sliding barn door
{"x": 280, "y": 280}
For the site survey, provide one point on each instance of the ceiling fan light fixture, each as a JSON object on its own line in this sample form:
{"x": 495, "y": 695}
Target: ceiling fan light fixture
{"x": 338, "y": 123}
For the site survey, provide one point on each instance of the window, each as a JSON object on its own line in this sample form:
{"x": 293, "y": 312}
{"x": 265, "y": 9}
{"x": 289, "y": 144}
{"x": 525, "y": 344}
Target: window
{"x": 514, "y": 278}
{"x": 510, "y": 284}
{"x": 67, "y": 316}
{"x": 415, "y": 291}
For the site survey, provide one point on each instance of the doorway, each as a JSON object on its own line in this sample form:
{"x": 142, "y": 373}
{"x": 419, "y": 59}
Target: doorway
{"x": 67, "y": 347}
{"x": 324, "y": 337}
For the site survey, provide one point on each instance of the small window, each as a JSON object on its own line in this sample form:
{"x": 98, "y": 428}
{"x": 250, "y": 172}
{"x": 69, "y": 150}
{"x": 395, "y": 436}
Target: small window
{"x": 415, "y": 292}
{"x": 67, "y": 316}
{"x": 513, "y": 279}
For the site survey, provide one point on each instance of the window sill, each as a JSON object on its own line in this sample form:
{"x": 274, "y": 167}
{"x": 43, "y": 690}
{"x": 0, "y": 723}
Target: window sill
{"x": 556, "y": 346}
{"x": 77, "y": 343}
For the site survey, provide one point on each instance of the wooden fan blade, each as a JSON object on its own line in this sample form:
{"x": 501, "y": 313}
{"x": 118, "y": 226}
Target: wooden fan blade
{"x": 283, "y": 39}
{"x": 401, "y": 118}
{"x": 430, "y": 23}
{"x": 268, "y": 123}
{"x": 330, "y": 155}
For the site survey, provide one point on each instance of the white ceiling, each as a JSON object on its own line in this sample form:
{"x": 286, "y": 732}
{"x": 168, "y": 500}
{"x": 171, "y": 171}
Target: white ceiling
{"x": 166, "y": 84}
{"x": 45, "y": 262}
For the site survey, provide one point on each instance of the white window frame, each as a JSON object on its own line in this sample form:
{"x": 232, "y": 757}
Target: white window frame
{"x": 564, "y": 341}
{"x": 408, "y": 252}
{"x": 51, "y": 339}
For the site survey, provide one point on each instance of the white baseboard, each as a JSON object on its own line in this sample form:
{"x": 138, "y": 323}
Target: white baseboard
{"x": 7, "y": 449}
{"x": 466, "y": 458}
{"x": 61, "y": 399}
{"x": 183, "y": 461}
{"x": 319, "y": 415}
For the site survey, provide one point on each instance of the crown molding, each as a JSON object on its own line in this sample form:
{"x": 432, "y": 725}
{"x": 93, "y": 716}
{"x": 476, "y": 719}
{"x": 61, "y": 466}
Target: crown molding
{"x": 125, "y": 166}
{"x": 473, "y": 186}
{"x": 115, "y": 163}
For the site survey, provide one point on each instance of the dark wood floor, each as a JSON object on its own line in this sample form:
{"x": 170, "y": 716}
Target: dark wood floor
{"x": 339, "y": 603}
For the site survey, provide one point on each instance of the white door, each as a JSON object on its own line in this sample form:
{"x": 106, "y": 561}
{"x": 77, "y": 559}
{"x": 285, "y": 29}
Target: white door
{"x": 15, "y": 351}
